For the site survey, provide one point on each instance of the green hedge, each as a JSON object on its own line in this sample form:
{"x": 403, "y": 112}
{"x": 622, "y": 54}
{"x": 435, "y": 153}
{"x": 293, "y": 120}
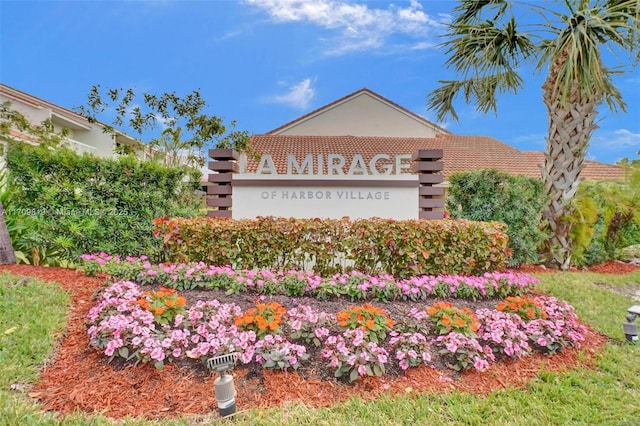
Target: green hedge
{"x": 400, "y": 248}
{"x": 60, "y": 205}
{"x": 517, "y": 201}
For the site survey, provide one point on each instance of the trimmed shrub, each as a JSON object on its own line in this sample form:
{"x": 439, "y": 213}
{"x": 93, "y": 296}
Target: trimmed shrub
{"x": 491, "y": 195}
{"x": 372, "y": 246}
{"x": 71, "y": 204}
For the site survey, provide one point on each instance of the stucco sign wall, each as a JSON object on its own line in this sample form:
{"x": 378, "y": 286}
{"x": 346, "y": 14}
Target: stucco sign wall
{"x": 304, "y": 196}
{"x": 331, "y": 187}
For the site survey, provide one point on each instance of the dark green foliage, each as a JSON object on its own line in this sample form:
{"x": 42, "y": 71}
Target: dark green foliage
{"x": 61, "y": 204}
{"x": 490, "y": 195}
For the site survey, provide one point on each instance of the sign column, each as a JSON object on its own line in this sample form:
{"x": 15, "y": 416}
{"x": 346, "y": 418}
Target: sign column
{"x": 219, "y": 193}
{"x": 429, "y": 167}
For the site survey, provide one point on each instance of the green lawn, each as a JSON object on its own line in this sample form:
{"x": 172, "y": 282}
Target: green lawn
{"x": 32, "y": 315}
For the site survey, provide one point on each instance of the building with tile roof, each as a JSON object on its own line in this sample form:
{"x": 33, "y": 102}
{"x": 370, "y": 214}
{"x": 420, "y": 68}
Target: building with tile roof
{"x": 83, "y": 136}
{"x": 368, "y": 124}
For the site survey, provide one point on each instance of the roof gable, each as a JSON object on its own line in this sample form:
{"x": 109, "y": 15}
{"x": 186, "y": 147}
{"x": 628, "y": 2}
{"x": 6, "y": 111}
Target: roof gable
{"x": 361, "y": 113}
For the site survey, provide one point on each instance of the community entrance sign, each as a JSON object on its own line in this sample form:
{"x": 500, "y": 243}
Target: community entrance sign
{"x": 327, "y": 186}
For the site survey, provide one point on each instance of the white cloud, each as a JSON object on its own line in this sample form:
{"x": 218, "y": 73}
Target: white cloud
{"x": 228, "y": 35}
{"x": 614, "y": 145}
{"x": 298, "y": 96}
{"x": 357, "y": 26}
{"x": 618, "y": 139}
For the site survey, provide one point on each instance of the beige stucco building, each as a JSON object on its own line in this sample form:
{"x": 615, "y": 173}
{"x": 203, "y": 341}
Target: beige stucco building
{"x": 367, "y": 124}
{"x": 83, "y": 137}
{"x": 362, "y": 113}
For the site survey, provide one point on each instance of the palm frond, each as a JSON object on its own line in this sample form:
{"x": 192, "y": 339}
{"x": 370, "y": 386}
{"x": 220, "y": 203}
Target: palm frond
{"x": 469, "y": 11}
{"x": 574, "y": 52}
{"x": 481, "y": 91}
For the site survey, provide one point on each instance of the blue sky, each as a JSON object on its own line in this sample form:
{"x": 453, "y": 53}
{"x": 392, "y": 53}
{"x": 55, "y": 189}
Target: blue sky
{"x": 265, "y": 62}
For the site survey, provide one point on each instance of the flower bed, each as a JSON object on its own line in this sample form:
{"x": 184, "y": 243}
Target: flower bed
{"x": 357, "y": 341}
{"x": 354, "y": 285}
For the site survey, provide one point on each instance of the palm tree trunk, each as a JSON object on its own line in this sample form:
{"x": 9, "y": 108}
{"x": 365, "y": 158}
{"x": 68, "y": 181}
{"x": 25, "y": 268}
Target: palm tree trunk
{"x": 7, "y": 256}
{"x": 570, "y": 129}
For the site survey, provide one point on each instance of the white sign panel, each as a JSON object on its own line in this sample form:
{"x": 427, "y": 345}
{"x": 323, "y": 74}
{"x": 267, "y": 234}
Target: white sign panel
{"x": 393, "y": 197}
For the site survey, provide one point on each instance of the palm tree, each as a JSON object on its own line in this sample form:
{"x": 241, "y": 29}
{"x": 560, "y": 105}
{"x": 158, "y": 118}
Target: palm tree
{"x": 486, "y": 47}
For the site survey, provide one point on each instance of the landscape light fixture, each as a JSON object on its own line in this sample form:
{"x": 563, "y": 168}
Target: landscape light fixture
{"x": 224, "y": 387}
{"x": 630, "y": 327}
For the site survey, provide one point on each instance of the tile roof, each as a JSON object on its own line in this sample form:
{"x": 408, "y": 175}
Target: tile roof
{"x": 461, "y": 153}
{"x": 353, "y": 95}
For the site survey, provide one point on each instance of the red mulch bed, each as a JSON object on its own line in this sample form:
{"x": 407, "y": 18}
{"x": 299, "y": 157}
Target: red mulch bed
{"x": 78, "y": 379}
{"x": 610, "y": 267}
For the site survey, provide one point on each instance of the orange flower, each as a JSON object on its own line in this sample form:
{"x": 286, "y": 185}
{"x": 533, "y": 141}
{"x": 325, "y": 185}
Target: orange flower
{"x": 446, "y": 320}
{"x": 370, "y": 323}
{"x": 460, "y": 322}
{"x": 262, "y": 324}
{"x": 273, "y": 326}
{"x": 342, "y": 316}
{"x": 389, "y": 322}
{"x": 432, "y": 310}
{"x": 238, "y": 321}
{"x": 170, "y": 303}
{"x": 180, "y": 301}
{"x": 158, "y": 311}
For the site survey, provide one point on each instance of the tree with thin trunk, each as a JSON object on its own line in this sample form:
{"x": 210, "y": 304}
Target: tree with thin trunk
{"x": 490, "y": 41}
{"x": 7, "y": 256}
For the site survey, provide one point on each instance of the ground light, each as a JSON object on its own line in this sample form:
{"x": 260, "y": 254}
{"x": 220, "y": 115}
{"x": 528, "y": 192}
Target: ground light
{"x": 224, "y": 387}
{"x": 630, "y": 327}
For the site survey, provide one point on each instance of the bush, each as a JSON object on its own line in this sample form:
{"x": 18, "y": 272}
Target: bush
{"x": 490, "y": 195}
{"x": 72, "y": 204}
{"x": 605, "y": 219}
{"x": 372, "y": 246}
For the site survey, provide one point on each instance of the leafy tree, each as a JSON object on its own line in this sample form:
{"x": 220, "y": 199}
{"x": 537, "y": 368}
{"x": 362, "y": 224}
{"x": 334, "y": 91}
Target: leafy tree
{"x": 487, "y": 48}
{"x": 626, "y": 162}
{"x": 187, "y": 129}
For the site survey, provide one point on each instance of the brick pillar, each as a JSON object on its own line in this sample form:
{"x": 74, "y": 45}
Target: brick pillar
{"x": 428, "y": 166}
{"x": 223, "y": 166}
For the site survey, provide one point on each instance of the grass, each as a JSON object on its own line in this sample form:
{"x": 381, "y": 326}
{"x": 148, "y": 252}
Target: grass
{"x": 32, "y": 315}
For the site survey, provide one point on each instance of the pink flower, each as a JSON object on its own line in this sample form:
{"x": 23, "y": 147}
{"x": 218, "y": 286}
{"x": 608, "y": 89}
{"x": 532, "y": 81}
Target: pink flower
{"x": 157, "y": 354}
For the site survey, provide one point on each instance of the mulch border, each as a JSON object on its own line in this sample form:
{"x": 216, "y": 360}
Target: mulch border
{"x": 79, "y": 379}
